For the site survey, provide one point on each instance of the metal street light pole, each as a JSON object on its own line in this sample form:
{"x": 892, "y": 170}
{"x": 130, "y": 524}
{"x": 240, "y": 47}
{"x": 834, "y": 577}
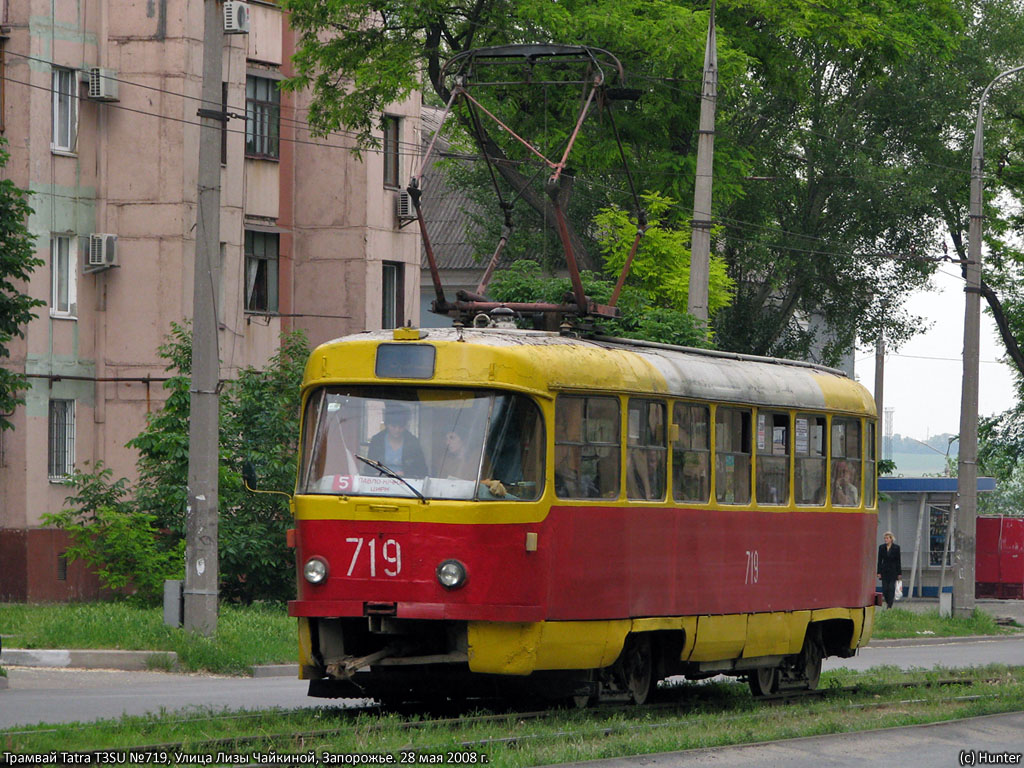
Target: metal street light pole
{"x": 967, "y": 465}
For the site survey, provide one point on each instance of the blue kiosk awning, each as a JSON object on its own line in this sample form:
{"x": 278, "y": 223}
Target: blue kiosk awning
{"x": 929, "y": 484}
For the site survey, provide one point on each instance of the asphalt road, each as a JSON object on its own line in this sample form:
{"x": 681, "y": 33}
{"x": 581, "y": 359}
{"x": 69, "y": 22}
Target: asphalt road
{"x": 70, "y": 695}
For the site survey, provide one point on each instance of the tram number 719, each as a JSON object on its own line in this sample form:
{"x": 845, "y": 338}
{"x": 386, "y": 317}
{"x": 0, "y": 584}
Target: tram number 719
{"x": 752, "y": 567}
{"x": 390, "y": 555}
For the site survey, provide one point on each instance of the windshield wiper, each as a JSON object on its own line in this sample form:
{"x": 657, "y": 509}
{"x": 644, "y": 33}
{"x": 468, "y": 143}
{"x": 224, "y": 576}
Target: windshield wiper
{"x": 391, "y": 473}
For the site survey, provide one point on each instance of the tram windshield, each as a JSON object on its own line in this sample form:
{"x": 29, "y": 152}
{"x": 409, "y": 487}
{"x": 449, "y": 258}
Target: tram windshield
{"x": 430, "y": 442}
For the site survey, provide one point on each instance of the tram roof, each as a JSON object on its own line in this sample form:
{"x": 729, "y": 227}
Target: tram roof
{"x": 542, "y": 360}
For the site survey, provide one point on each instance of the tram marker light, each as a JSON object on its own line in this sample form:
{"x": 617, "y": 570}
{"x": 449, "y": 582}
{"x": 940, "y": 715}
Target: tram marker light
{"x": 451, "y": 574}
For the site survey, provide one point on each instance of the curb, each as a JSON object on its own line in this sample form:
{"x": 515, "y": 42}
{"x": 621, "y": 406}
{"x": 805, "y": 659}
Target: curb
{"x": 937, "y": 640}
{"x": 131, "y": 661}
{"x": 276, "y": 670}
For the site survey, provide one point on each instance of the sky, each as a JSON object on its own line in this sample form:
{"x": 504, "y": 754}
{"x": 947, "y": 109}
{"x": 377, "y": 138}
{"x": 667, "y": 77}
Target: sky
{"x": 923, "y": 377}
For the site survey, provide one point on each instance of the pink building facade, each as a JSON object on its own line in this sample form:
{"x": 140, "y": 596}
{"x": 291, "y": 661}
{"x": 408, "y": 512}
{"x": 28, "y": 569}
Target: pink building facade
{"x": 99, "y": 102}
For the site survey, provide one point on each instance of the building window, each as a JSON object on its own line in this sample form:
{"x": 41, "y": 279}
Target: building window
{"x": 391, "y": 125}
{"x": 62, "y": 566}
{"x": 61, "y": 453}
{"x": 3, "y": 80}
{"x": 65, "y": 110}
{"x": 262, "y": 117}
{"x": 63, "y": 268}
{"x": 224, "y": 125}
{"x": 392, "y": 305}
{"x": 261, "y": 258}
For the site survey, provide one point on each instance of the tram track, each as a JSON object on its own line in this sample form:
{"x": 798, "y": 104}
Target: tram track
{"x": 306, "y": 739}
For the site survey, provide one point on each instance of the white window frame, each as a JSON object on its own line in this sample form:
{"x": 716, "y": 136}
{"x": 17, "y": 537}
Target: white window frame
{"x": 64, "y": 85}
{"x": 392, "y": 299}
{"x": 258, "y": 247}
{"x": 60, "y": 444}
{"x": 64, "y": 262}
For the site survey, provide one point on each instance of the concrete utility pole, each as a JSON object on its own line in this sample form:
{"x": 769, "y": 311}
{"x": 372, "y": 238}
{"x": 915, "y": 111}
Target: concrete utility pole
{"x": 967, "y": 465}
{"x": 201, "y": 564}
{"x": 700, "y": 242}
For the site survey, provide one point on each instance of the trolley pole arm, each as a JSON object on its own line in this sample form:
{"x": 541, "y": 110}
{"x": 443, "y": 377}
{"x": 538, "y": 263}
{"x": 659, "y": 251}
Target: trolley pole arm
{"x": 415, "y": 192}
{"x": 554, "y": 189}
{"x": 506, "y": 232}
{"x": 641, "y": 229}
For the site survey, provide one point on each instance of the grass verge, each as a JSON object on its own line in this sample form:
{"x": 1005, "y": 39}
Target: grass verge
{"x": 265, "y": 634}
{"x": 246, "y": 636}
{"x": 900, "y": 622}
{"x": 697, "y": 716}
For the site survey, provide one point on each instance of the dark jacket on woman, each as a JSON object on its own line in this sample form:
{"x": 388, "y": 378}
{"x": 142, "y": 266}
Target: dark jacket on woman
{"x": 889, "y": 565}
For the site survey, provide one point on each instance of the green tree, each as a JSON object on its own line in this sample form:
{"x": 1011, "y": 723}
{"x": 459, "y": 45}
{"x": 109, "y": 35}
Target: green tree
{"x": 384, "y": 50}
{"x": 824, "y": 185}
{"x": 17, "y": 262}
{"x": 260, "y": 425}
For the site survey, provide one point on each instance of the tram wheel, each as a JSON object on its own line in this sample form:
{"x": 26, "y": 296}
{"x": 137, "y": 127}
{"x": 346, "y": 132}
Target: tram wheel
{"x": 764, "y": 681}
{"x": 810, "y": 660}
{"x": 638, "y": 667}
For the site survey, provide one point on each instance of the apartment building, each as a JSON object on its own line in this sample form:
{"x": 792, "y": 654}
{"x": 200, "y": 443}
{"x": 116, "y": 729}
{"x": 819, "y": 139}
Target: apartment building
{"x": 99, "y": 105}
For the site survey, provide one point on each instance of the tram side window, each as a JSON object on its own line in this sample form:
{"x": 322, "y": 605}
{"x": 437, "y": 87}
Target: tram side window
{"x": 772, "y": 471}
{"x": 514, "y": 450}
{"x": 732, "y": 456}
{"x": 313, "y": 443}
{"x": 691, "y": 453}
{"x": 587, "y": 447}
{"x": 845, "y": 462}
{"x": 809, "y": 450}
{"x": 646, "y": 452}
{"x": 870, "y": 468}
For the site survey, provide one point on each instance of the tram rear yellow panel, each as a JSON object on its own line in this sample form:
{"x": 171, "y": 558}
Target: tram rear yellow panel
{"x": 775, "y": 634}
{"x": 519, "y": 649}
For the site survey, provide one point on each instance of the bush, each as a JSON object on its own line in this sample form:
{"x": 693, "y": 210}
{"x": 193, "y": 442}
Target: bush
{"x": 119, "y": 541}
{"x": 135, "y": 536}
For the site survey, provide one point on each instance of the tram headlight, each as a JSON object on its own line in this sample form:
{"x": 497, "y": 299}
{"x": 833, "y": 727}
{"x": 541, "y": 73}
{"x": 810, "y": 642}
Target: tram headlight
{"x": 315, "y": 570}
{"x": 451, "y": 574}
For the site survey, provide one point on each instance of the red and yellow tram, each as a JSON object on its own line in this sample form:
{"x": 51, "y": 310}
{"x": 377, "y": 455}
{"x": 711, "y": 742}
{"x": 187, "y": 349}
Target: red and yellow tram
{"x": 493, "y": 509}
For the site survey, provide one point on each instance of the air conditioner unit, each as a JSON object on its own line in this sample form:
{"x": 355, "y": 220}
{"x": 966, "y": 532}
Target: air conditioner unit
{"x": 102, "y": 252}
{"x": 102, "y": 84}
{"x": 404, "y": 208}
{"x": 236, "y": 18}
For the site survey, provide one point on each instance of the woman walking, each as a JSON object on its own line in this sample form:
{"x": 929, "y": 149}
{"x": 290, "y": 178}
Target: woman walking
{"x": 889, "y": 567}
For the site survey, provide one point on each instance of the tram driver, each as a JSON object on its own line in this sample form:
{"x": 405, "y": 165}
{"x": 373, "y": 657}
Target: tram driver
{"x": 397, "y": 448}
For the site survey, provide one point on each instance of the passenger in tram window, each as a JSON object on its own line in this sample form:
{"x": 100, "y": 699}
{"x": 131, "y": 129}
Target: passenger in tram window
{"x": 457, "y": 461}
{"x": 397, "y": 448}
{"x": 844, "y": 491}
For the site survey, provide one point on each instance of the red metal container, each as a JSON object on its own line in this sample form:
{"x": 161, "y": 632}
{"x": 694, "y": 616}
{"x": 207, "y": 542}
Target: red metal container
{"x": 999, "y": 565}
